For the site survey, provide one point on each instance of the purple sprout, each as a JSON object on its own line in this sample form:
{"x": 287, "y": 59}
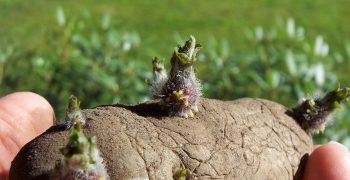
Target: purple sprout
{"x": 314, "y": 114}
{"x": 180, "y": 91}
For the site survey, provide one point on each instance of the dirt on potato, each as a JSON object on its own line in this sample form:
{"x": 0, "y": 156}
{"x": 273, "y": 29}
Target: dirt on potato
{"x": 241, "y": 139}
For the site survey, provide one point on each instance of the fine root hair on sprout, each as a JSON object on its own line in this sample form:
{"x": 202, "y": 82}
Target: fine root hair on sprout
{"x": 160, "y": 77}
{"x": 313, "y": 114}
{"x": 180, "y": 90}
{"x": 81, "y": 158}
{"x": 73, "y": 112}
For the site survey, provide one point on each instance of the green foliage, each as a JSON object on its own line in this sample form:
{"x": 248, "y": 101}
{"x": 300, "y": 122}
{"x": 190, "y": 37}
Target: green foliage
{"x": 5, "y": 52}
{"x": 279, "y": 61}
{"x": 84, "y": 56}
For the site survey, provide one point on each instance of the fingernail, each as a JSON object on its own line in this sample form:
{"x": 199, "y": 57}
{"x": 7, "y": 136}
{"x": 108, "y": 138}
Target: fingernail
{"x": 340, "y": 145}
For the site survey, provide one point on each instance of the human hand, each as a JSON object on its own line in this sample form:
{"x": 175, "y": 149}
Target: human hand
{"x": 25, "y": 115}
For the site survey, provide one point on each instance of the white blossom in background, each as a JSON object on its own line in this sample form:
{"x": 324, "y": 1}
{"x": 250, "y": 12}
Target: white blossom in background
{"x": 259, "y": 33}
{"x": 321, "y": 48}
{"x": 319, "y": 74}
{"x": 290, "y": 27}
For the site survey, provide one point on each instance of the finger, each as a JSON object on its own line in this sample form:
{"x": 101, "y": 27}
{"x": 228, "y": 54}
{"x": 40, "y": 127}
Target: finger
{"x": 23, "y": 116}
{"x": 329, "y": 161}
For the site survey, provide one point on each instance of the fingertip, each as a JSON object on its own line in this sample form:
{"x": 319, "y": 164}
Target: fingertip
{"x": 40, "y": 108}
{"x": 329, "y": 161}
{"x": 40, "y": 113}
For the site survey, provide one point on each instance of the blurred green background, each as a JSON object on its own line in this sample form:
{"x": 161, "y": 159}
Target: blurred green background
{"x": 101, "y": 51}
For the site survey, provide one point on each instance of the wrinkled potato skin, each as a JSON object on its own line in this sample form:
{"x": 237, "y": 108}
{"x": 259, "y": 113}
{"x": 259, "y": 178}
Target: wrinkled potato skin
{"x": 242, "y": 139}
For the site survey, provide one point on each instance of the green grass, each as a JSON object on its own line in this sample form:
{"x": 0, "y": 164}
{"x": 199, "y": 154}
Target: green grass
{"x": 25, "y": 22}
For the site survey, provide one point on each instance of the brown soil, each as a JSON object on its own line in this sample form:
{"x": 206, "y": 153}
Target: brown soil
{"x": 241, "y": 139}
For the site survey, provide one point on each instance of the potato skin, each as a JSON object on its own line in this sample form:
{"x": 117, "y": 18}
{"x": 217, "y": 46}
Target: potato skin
{"x": 242, "y": 139}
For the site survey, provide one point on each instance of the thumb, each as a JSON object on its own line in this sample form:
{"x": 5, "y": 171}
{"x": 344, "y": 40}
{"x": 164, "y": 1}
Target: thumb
{"x": 23, "y": 116}
{"x": 329, "y": 161}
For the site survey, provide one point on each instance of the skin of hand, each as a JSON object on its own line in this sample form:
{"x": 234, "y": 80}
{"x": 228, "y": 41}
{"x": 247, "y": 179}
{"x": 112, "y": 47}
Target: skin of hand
{"x": 25, "y": 115}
